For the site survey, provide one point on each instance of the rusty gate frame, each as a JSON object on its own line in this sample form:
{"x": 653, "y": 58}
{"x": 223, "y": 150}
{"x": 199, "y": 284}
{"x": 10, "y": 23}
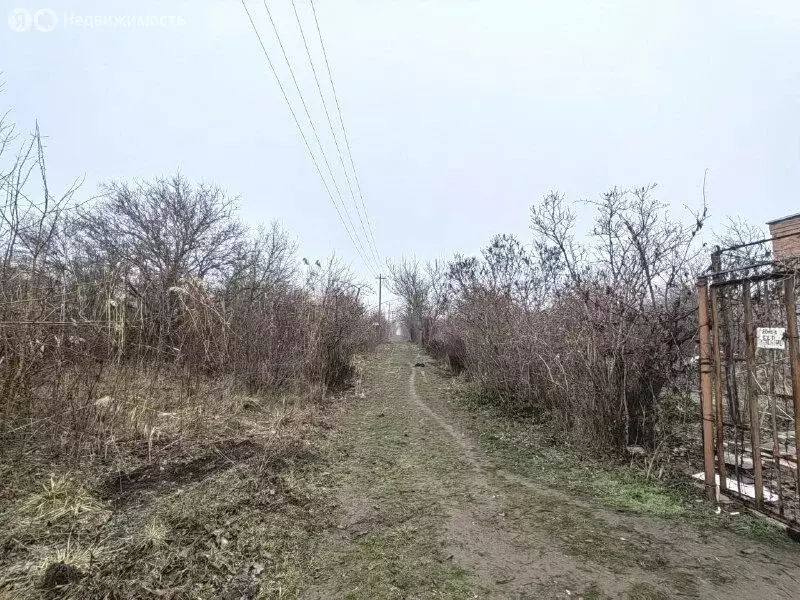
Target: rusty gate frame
{"x": 711, "y": 311}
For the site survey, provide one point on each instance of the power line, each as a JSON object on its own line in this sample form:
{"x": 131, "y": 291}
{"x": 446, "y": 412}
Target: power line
{"x": 311, "y": 122}
{"x": 341, "y": 119}
{"x": 368, "y": 234}
{"x": 303, "y": 135}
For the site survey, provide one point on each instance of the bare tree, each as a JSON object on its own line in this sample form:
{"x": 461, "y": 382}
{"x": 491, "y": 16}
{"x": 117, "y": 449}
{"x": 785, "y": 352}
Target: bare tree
{"x": 160, "y": 235}
{"x": 407, "y": 280}
{"x": 165, "y": 229}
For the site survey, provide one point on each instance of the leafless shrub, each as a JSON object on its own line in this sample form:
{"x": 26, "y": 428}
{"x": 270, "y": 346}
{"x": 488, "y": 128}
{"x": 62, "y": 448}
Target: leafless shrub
{"x": 590, "y": 334}
{"x": 633, "y": 291}
{"x": 138, "y": 304}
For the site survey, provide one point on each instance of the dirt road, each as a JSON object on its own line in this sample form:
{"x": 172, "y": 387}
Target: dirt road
{"x": 428, "y": 510}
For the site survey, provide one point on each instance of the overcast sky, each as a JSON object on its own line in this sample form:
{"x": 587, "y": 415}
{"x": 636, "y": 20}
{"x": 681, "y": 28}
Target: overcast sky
{"x": 461, "y": 113}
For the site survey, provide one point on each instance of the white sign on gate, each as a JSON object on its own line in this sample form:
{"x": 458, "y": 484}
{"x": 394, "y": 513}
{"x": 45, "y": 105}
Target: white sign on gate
{"x": 771, "y": 337}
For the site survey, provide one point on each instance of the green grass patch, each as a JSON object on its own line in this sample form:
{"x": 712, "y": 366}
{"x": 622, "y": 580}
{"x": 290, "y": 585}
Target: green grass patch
{"x": 529, "y": 447}
{"x": 627, "y": 491}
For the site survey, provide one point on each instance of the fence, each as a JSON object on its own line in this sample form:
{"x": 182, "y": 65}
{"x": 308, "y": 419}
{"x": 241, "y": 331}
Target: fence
{"x": 750, "y": 380}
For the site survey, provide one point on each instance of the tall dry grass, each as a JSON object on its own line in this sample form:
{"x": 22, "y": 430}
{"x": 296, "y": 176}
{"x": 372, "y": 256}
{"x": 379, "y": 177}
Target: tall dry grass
{"x": 127, "y": 316}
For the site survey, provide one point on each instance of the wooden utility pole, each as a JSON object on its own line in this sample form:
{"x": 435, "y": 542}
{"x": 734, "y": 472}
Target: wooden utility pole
{"x": 380, "y": 285}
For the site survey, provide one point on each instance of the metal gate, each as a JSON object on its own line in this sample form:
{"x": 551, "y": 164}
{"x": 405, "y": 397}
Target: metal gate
{"x": 750, "y": 381}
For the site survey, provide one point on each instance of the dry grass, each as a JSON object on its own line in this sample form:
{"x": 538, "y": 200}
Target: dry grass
{"x": 60, "y": 504}
{"x": 186, "y": 500}
{"x": 159, "y": 361}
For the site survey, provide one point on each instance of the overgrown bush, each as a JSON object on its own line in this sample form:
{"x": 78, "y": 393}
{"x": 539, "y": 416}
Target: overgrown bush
{"x": 154, "y": 285}
{"x": 588, "y": 334}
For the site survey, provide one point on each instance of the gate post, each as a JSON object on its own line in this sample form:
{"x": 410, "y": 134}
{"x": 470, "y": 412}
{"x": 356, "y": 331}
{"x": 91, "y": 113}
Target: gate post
{"x": 705, "y": 387}
{"x": 791, "y": 326}
{"x": 719, "y": 396}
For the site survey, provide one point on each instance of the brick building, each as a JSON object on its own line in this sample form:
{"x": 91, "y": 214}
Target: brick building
{"x": 787, "y": 230}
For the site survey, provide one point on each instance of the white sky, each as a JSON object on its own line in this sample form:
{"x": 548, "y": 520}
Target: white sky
{"x": 461, "y": 113}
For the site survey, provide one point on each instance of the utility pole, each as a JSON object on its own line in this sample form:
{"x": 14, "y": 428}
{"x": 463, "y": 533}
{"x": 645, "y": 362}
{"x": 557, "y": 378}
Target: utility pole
{"x": 380, "y": 285}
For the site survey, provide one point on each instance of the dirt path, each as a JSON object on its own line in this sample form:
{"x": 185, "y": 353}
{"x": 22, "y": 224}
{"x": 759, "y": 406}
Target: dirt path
{"x": 426, "y": 513}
